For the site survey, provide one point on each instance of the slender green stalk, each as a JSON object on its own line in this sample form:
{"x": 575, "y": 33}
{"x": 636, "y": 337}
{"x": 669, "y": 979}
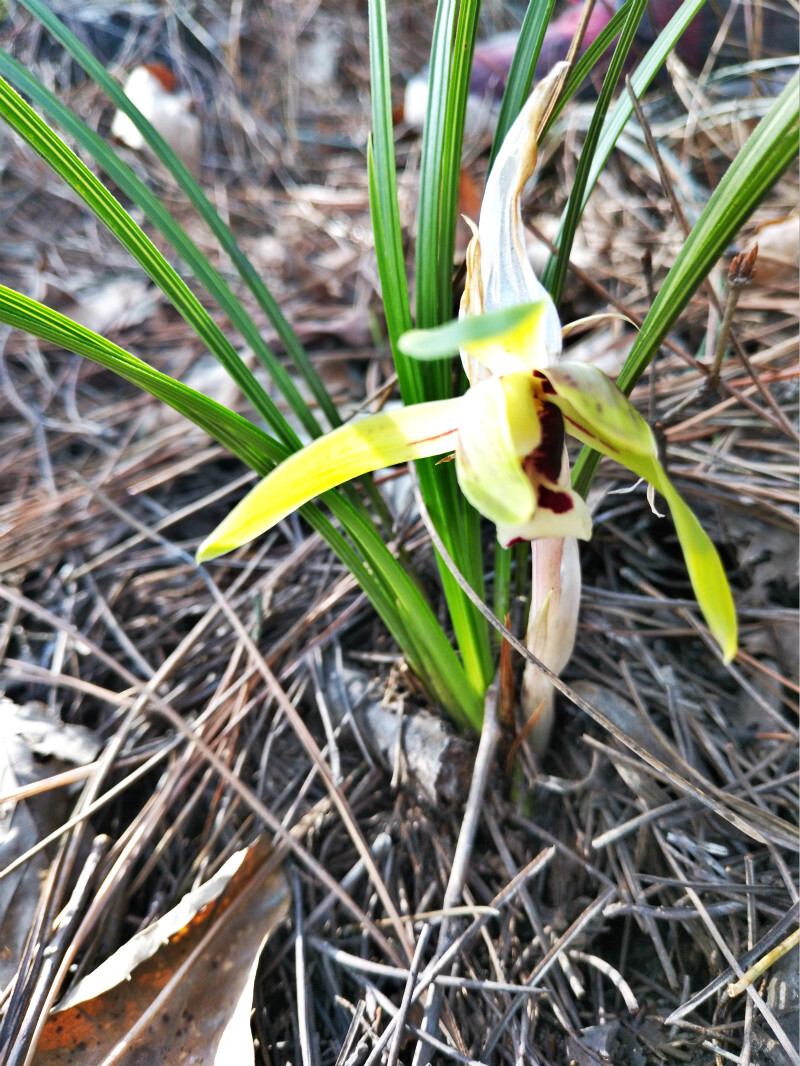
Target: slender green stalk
{"x": 456, "y": 521}
{"x": 502, "y": 581}
{"x": 555, "y": 272}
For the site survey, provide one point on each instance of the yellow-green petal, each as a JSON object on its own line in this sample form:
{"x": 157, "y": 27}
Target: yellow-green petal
{"x": 705, "y": 569}
{"x": 356, "y": 448}
{"x": 502, "y": 332}
{"x": 600, "y": 415}
{"x": 517, "y": 344}
{"x": 491, "y": 446}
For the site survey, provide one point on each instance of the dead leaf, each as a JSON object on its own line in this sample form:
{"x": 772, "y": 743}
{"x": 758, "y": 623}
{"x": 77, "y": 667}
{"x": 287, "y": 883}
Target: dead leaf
{"x": 152, "y": 88}
{"x": 115, "y": 305}
{"x": 180, "y": 991}
{"x": 46, "y": 736}
{"x": 593, "y": 1045}
{"x": 19, "y": 891}
{"x": 778, "y": 251}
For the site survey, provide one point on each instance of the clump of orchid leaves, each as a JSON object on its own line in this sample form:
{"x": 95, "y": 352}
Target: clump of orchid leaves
{"x": 507, "y": 432}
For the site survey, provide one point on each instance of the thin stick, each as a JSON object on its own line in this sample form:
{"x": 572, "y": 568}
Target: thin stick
{"x": 484, "y": 761}
{"x": 763, "y": 964}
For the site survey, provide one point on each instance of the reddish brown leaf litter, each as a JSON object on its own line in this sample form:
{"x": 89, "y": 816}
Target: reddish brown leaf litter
{"x": 598, "y": 907}
{"x": 181, "y": 991}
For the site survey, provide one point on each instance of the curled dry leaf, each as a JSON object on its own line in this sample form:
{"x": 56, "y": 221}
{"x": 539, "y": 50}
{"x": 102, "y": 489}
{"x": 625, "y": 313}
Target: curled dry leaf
{"x": 181, "y": 990}
{"x": 152, "y": 88}
{"x": 19, "y": 831}
{"x": 115, "y": 305}
{"x": 778, "y": 244}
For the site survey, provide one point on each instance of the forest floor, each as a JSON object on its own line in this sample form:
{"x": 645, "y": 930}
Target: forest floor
{"x": 611, "y": 893}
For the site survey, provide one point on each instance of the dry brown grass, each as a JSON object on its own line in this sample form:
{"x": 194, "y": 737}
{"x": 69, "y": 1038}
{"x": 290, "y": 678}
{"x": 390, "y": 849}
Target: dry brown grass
{"x": 654, "y": 853}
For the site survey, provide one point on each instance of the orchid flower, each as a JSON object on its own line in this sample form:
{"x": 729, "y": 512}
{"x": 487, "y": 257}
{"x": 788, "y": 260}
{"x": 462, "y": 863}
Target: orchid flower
{"x": 507, "y": 432}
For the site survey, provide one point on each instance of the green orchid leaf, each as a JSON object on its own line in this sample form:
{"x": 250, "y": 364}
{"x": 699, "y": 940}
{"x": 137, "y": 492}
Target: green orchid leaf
{"x": 251, "y": 444}
{"x": 18, "y": 114}
{"x": 523, "y": 68}
{"x": 458, "y": 524}
{"x": 357, "y": 448}
{"x": 555, "y": 272}
{"x": 600, "y": 415}
{"x": 389, "y": 586}
{"x": 139, "y": 193}
{"x": 510, "y": 327}
{"x": 768, "y": 151}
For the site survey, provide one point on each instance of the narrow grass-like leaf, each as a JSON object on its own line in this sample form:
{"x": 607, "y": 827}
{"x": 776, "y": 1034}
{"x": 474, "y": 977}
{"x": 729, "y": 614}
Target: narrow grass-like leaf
{"x": 384, "y": 207}
{"x": 764, "y": 157}
{"x": 523, "y": 68}
{"x": 450, "y": 690}
{"x": 555, "y": 272}
{"x": 463, "y": 50}
{"x": 422, "y": 639}
{"x": 643, "y": 76}
{"x": 208, "y": 213}
{"x": 640, "y": 80}
{"x": 620, "y": 113}
{"x": 456, "y": 521}
{"x": 593, "y": 55}
{"x": 251, "y": 444}
{"x": 389, "y": 255}
{"x": 428, "y": 290}
{"x": 21, "y": 117}
{"x": 393, "y": 593}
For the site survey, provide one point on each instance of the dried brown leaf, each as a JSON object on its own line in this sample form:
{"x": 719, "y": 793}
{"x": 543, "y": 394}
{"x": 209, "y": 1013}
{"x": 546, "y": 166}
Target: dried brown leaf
{"x": 182, "y": 989}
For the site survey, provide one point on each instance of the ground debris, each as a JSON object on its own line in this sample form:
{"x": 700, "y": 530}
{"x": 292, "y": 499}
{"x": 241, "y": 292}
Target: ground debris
{"x": 625, "y": 869}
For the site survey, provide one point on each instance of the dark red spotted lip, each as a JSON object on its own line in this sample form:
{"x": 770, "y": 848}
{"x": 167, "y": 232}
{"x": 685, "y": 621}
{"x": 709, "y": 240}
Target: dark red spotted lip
{"x": 553, "y": 500}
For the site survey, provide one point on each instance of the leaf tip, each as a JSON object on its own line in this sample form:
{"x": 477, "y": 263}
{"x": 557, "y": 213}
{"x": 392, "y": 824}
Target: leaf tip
{"x": 730, "y": 645}
{"x": 209, "y": 550}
